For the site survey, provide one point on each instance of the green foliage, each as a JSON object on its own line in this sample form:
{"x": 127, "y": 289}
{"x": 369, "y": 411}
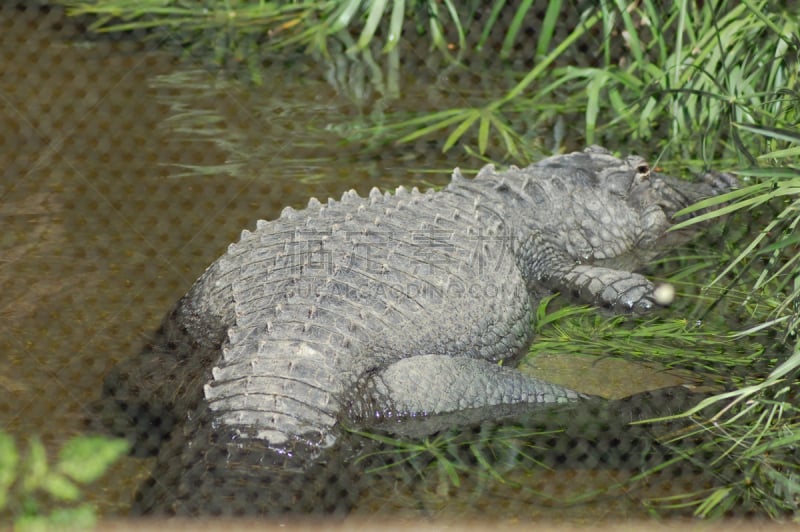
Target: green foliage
{"x": 455, "y": 461}
{"x": 679, "y": 343}
{"x": 707, "y": 66}
{"x": 27, "y": 482}
{"x": 221, "y": 25}
{"x": 758, "y": 430}
{"x": 690, "y": 71}
{"x": 246, "y": 31}
{"x": 488, "y": 117}
{"x": 750, "y": 446}
{"x": 456, "y": 454}
{"x": 773, "y": 250}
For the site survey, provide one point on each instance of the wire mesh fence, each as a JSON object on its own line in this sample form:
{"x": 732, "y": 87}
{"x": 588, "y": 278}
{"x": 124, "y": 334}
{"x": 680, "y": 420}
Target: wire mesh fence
{"x": 130, "y": 163}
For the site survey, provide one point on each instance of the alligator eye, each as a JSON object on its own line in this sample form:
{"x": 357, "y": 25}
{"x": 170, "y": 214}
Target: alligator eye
{"x": 643, "y": 171}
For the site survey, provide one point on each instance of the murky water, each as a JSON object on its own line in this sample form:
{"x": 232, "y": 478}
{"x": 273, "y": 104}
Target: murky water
{"x": 100, "y": 237}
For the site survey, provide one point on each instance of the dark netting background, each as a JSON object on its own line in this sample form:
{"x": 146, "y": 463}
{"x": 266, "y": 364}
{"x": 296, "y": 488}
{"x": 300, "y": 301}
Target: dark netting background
{"x": 127, "y": 168}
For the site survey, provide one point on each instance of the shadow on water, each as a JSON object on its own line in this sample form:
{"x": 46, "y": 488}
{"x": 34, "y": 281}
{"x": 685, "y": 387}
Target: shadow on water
{"x": 100, "y": 238}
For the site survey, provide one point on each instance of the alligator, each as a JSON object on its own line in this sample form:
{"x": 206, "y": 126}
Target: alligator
{"x": 404, "y": 312}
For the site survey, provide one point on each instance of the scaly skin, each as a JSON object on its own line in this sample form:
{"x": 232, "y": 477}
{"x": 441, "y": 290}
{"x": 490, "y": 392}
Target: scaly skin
{"x": 377, "y": 310}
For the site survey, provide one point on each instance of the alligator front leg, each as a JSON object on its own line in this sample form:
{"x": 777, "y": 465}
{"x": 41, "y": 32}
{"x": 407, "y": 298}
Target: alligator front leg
{"x": 426, "y": 393}
{"x": 618, "y": 290}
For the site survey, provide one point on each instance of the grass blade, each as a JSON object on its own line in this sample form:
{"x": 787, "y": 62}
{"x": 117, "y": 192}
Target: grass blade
{"x": 376, "y": 10}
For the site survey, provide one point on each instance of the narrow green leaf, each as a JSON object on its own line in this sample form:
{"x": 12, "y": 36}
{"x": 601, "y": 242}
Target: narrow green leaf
{"x": 746, "y": 252}
{"x": 449, "y": 468}
{"x": 548, "y": 27}
{"x": 745, "y": 203}
{"x": 734, "y": 198}
{"x": 395, "y": 25}
{"x": 344, "y": 15}
{"x": 632, "y": 40}
{"x": 483, "y": 134}
{"x": 712, "y": 501}
{"x": 513, "y": 28}
{"x": 484, "y": 463}
{"x": 435, "y": 27}
{"x": 780, "y": 244}
{"x": 609, "y": 27}
{"x": 433, "y": 127}
{"x": 757, "y": 10}
{"x": 541, "y": 310}
{"x": 510, "y": 137}
{"x": 85, "y": 459}
{"x": 60, "y": 487}
{"x": 593, "y": 105}
{"x": 427, "y": 118}
{"x": 459, "y": 131}
{"x": 497, "y": 8}
{"x": 786, "y": 172}
{"x": 451, "y": 8}
{"x": 791, "y": 439}
{"x": 373, "y": 19}
{"x": 772, "y": 132}
{"x": 35, "y": 466}
{"x": 382, "y": 438}
{"x": 545, "y": 62}
{"x": 781, "y": 154}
